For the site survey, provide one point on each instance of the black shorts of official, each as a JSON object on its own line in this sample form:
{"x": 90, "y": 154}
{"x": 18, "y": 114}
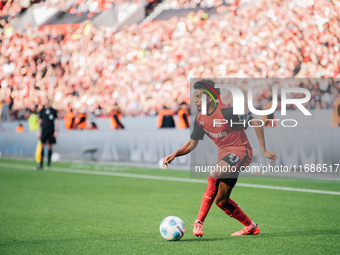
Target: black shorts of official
{"x": 47, "y": 137}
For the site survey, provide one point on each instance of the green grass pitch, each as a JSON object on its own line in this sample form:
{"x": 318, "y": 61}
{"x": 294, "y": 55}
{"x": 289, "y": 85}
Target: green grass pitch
{"x": 55, "y": 212}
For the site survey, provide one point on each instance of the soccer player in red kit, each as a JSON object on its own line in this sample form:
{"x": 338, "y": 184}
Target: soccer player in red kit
{"x": 234, "y": 151}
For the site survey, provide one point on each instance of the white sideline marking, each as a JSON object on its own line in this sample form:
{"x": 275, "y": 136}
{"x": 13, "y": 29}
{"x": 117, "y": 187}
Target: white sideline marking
{"x": 167, "y": 178}
{"x": 289, "y": 189}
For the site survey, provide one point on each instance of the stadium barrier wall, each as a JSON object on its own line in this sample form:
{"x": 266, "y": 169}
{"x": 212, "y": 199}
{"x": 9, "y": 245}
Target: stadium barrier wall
{"x": 143, "y": 143}
{"x": 144, "y": 147}
{"x": 319, "y": 119}
{"x": 293, "y": 146}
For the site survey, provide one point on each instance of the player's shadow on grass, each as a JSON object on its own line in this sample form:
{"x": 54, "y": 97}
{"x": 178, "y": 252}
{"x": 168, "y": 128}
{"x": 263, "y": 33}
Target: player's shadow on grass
{"x": 300, "y": 233}
{"x": 198, "y": 239}
{"x": 270, "y": 235}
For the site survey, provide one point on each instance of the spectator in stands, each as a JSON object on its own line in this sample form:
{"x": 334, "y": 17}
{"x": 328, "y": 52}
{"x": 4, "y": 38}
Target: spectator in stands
{"x": 165, "y": 118}
{"x": 183, "y": 116}
{"x": 115, "y": 118}
{"x": 93, "y": 126}
{"x": 69, "y": 120}
{"x": 12, "y": 8}
{"x": 256, "y": 39}
{"x": 19, "y": 128}
{"x": 80, "y": 120}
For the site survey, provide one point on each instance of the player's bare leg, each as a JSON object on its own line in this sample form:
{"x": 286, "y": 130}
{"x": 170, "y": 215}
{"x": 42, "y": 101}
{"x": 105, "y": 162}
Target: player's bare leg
{"x": 231, "y": 208}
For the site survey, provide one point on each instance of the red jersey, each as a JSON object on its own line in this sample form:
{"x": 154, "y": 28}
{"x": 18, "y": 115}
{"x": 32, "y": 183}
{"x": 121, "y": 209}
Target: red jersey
{"x": 228, "y": 139}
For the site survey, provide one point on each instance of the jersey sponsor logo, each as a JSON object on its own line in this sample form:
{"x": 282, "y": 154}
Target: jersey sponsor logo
{"x": 215, "y": 135}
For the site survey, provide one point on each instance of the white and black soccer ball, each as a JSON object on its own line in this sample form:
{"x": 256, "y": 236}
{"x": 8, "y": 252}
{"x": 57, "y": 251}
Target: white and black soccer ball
{"x": 160, "y": 162}
{"x": 172, "y": 228}
{"x": 55, "y": 157}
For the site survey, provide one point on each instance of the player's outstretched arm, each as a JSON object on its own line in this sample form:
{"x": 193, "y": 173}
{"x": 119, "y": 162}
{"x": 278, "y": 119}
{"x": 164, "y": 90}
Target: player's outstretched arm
{"x": 185, "y": 149}
{"x": 260, "y": 136}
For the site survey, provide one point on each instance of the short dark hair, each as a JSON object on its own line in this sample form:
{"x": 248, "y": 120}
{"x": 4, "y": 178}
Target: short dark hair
{"x": 207, "y": 85}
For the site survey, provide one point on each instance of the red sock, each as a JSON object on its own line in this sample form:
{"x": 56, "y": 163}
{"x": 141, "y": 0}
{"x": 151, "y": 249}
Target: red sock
{"x": 208, "y": 199}
{"x": 234, "y": 211}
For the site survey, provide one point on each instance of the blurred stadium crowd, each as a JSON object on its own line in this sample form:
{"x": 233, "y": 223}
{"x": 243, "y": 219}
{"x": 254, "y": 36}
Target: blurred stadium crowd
{"x": 12, "y": 8}
{"x": 145, "y": 66}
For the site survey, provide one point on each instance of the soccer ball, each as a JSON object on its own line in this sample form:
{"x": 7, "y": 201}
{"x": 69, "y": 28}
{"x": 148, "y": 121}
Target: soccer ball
{"x": 160, "y": 162}
{"x": 172, "y": 228}
{"x": 55, "y": 157}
